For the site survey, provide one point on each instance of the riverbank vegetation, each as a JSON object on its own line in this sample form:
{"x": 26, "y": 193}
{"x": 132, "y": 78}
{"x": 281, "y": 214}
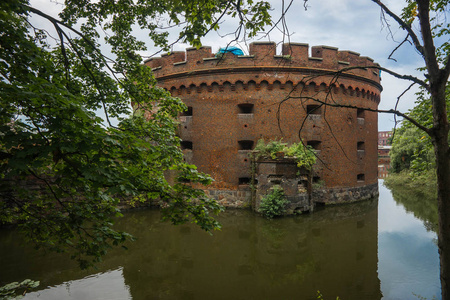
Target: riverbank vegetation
{"x": 418, "y": 194}
{"x": 413, "y": 160}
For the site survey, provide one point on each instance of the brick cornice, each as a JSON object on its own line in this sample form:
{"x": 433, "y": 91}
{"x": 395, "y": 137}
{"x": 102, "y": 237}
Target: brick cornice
{"x": 275, "y": 69}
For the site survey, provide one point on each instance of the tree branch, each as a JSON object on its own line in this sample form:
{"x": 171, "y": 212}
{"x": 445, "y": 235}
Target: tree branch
{"x": 429, "y": 50}
{"x": 390, "y": 111}
{"x": 446, "y": 69}
{"x": 398, "y": 46}
{"x": 403, "y": 24}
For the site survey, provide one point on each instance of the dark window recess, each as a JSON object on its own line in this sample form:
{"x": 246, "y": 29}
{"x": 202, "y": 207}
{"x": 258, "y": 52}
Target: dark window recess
{"x": 360, "y": 177}
{"x": 245, "y": 145}
{"x": 360, "y": 113}
{"x": 188, "y": 112}
{"x": 186, "y": 145}
{"x": 313, "y": 109}
{"x": 245, "y": 108}
{"x": 244, "y": 180}
{"x": 275, "y": 179}
{"x": 316, "y": 145}
{"x": 316, "y": 179}
{"x": 303, "y": 183}
{"x": 361, "y": 146}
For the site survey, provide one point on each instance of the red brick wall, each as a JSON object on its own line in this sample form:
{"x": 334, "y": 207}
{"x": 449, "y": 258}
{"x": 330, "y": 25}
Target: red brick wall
{"x": 215, "y": 87}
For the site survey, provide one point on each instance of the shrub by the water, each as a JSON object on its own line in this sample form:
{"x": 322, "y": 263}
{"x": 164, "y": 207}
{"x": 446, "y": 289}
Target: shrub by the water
{"x": 274, "y": 204}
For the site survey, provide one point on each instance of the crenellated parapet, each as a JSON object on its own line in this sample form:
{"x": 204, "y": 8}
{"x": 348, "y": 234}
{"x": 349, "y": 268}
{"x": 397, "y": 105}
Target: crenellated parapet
{"x": 295, "y": 58}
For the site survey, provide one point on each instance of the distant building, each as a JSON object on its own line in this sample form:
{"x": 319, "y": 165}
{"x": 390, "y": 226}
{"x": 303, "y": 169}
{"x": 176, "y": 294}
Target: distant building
{"x": 383, "y": 138}
{"x": 384, "y": 146}
{"x": 383, "y": 151}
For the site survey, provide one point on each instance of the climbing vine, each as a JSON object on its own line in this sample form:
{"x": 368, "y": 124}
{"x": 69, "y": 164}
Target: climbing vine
{"x": 303, "y": 155}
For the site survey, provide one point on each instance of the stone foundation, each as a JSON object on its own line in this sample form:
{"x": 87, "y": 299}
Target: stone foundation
{"x": 243, "y": 198}
{"x": 232, "y": 198}
{"x": 345, "y": 195}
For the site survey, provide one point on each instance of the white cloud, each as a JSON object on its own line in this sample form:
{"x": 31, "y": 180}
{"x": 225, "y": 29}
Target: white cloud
{"x": 347, "y": 24}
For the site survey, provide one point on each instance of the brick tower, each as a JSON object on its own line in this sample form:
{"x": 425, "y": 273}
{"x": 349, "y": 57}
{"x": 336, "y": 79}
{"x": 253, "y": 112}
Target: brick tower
{"x": 234, "y": 101}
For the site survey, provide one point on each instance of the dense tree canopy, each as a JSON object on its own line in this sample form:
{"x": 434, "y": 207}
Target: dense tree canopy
{"x": 64, "y": 170}
{"x": 412, "y": 149}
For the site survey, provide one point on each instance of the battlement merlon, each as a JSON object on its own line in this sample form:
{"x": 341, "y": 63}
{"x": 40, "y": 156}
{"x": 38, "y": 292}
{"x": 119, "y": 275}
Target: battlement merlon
{"x": 263, "y": 54}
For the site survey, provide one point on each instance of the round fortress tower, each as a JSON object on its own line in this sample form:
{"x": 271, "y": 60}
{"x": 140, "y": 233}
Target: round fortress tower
{"x": 234, "y": 101}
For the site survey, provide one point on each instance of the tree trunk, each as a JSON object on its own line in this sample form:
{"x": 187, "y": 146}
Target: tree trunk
{"x": 441, "y": 148}
{"x": 439, "y": 135}
{"x": 443, "y": 183}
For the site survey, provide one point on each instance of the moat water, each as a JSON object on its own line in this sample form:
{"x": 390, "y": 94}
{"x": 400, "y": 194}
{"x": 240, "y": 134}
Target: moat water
{"x": 376, "y": 249}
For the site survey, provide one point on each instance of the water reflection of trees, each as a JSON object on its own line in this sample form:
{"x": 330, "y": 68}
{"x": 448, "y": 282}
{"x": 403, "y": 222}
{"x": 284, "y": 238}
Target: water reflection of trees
{"x": 418, "y": 200}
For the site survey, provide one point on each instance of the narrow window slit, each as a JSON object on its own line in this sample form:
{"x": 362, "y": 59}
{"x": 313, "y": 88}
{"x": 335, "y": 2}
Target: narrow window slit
{"x": 245, "y": 108}
{"x": 245, "y": 145}
{"x": 186, "y": 145}
{"x": 313, "y": 109}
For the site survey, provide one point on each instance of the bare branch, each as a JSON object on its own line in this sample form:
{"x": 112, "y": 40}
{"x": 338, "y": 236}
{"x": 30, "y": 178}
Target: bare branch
{"x": 305, "y": 4}
{"x": 390, "y": 72}
{"x": 398, "y": 100}
{"x": 390, "y": 111}
{"x": 404, "y": 25}
{"x": 398, "y": 46}
{"x": 281, "y": 19}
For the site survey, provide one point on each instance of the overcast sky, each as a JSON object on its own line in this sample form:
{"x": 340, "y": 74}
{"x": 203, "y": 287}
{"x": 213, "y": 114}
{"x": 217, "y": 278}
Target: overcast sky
{"x": 346, "y": 24}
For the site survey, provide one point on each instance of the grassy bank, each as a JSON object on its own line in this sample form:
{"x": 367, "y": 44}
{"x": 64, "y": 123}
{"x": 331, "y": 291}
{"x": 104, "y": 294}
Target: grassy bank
{"x": 417, "y": 194}
{"x": 421, "y": 185}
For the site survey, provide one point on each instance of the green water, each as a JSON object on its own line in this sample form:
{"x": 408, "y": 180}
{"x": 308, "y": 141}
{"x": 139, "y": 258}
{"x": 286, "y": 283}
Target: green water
{"x": 335, "y": 250}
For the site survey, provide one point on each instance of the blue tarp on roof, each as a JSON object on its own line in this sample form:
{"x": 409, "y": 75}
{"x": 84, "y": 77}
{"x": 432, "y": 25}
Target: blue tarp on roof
{"x": 234, "y": 50}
